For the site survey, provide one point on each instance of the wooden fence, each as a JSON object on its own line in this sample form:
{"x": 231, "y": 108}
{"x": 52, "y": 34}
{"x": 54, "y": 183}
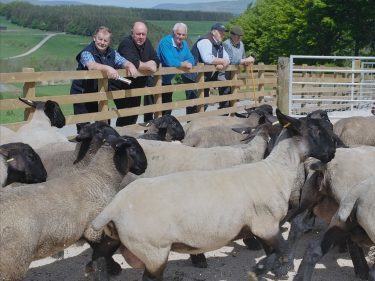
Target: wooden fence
{"x": 250, "y": 87}
{"x": 251, "y": 84}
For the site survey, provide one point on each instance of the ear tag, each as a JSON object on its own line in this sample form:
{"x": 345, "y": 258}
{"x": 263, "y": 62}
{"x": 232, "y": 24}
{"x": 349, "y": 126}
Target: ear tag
{"x": 287, "y": 125}
{"x": 243, "y": 132}
{"x": 10, "y": 159}
{"x": 276, "y": 122}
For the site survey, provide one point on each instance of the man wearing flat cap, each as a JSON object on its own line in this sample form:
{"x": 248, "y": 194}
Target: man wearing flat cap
{"x": 208, "y": 50}
{"x": 236, "y": 51}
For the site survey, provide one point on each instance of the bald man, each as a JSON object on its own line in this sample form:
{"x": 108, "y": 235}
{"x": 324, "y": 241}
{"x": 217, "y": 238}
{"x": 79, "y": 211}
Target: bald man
{"x": 137, "y": 48}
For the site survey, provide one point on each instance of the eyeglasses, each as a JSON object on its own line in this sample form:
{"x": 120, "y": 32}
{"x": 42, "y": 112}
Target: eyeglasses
{"x": 180, "y": 34}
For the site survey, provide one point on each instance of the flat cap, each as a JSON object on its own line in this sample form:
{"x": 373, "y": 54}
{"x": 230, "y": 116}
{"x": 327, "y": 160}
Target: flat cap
{"x": 219, "y": 27}
{"x": 236, "y": 30}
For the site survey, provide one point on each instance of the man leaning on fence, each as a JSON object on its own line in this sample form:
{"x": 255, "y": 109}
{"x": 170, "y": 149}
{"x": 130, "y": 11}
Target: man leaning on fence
{"x": 173, "y": 51}
{"x": 237, "y": 55}
{"x": 97, "y": 56}
{"x": 208, "y": 50}
{"x": 138, "y": 49}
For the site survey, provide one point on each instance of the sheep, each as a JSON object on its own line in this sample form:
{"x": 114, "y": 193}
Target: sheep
{"x": 356, "y": 130}
{"x": 250, "y": 120}
{"x": 164, "y": 128}
{"x": 19, "y": 163}
{"x": 166, "y": 158}
{"x": 6, "y": 135}
{"x": 326, "y": 185}
{"x": 30, "y": 230}
{"x": 199, "y": 211}
{"x": 358, "y": 203}
{"x": 40, "y": 130}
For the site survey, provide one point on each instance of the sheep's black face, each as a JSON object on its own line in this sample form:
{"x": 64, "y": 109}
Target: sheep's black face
{"x": 313, "y": 134}
{"x": 54, "y": 113}
{"x": 169, "y": 128}
{"x": 24, "y": 164}
{"x": 321, "y": 142}
{"x": 137, "y": 157}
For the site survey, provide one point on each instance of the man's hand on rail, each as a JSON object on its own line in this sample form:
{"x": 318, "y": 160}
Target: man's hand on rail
{"x": 131, "y": 69}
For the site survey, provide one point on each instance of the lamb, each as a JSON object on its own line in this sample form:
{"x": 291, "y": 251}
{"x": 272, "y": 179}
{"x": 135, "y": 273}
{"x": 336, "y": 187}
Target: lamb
{"x": 206, "y": 209}
{"x": 19, "y": 163}
{"x": 356, "y": 130}
{"x": 325, "y": 187}
{"x": 30, "y": 230}
{"x": 40, "y": 130}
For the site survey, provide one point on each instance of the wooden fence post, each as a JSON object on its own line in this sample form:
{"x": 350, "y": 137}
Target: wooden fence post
{"x": 28, "y": 92}
{"x": 158, "y": 97}
{"x": 283, "y": 84}
{"x": 200, "y": 108}
{"x": 103, "y": 87}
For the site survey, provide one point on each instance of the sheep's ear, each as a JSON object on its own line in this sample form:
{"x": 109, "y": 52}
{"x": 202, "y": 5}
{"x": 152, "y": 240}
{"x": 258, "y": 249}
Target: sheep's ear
{"x": 240, "y": 115}
{"x": 288, "y": 122}
{"x": 121, "y": 157}
{"x": 28, "y": 102}
{"x": 83, "y": 149}
{"x": 54, "y": 113}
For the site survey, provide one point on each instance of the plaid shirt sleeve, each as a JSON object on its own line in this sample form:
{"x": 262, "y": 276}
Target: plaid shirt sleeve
{"x": 86, "y": 57}
{"x": 119, "y": 60}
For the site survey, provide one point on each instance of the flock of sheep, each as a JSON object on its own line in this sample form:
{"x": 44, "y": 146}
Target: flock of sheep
{"x": 190, "y": 189}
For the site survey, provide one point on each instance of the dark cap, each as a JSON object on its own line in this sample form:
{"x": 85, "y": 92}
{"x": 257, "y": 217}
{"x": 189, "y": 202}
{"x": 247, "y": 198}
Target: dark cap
{"x": 219, "y": 27}
{"x": 236, "y": 30}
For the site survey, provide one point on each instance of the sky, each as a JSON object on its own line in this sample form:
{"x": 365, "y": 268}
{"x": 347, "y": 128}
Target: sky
{"x": 137, "y": 3}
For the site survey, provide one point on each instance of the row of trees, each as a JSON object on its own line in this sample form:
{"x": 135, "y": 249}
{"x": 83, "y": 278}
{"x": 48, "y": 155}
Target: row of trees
{"x": 275, "y": 28}
{"x": 85, "y": 19}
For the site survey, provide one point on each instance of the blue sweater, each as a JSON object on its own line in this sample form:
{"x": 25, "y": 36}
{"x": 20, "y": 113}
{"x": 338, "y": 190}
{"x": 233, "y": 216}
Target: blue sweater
{"x": 172, "y": 56}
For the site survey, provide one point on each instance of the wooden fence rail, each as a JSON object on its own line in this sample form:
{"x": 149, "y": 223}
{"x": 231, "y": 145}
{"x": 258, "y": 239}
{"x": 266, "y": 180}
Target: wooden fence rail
{"x": 250, "y": 86}
{"x": 246, "y": 85}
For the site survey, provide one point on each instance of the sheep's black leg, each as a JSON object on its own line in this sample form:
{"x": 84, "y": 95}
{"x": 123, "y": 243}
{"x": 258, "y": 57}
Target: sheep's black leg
{"x": 371, "y": 275}
{"x": 157, "y": 276}
{"x": 252, "y": 243}
{"x": 361, "y": 268}
{"x": 299, "y": 225}
{"x": 316, "y": 250}
{"x": 95, "y": 270}
{"x": 276, "y": 260}
{"x": 199, "y": 260}
{"x": 106, "y": 248}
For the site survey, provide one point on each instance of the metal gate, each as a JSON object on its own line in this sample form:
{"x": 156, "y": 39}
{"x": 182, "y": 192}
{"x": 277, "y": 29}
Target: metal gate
{"x": 339, "y": 85}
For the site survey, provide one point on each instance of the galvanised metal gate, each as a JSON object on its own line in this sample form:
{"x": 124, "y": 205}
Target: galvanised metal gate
{"x": 340, "y": 85}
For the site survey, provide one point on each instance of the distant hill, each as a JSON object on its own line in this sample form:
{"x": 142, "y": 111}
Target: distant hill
{"x": 234, "y": 7}
{"x": 47, "y": 3}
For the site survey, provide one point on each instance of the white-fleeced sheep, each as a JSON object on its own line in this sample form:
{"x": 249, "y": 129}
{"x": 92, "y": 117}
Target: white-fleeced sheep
{"x": 43, "y": 127}
{"x": 199, "y": 211}
{"x": 356, "y": 130}
{"x": 42, "y": 219}
{"x": 6, "y": 135}
{"x": 251, "y": 119}
{"x": 325, "y": 188}
{"x": 170, "y": 157}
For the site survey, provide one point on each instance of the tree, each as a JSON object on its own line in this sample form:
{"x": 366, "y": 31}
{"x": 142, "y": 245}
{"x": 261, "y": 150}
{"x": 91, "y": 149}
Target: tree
{"x": 275, "y": 28}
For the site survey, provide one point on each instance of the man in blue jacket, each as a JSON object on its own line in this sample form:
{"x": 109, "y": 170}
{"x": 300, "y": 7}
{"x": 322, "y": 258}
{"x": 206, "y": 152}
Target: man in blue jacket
{"x": 173, "y": 51}
{"x": 98, "y": 56}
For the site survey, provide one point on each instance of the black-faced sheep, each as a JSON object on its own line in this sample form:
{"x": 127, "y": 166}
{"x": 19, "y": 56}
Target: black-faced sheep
{"x": 206, "y": 209}
{"x": 19, "y": 163}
